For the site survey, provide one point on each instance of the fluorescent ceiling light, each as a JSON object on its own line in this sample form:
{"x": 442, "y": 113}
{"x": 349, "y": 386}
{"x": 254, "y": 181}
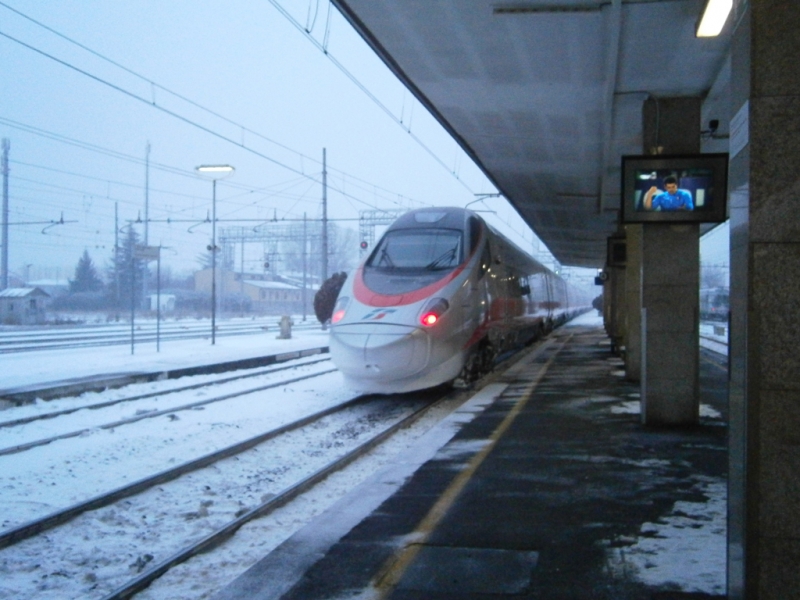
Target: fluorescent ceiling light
{"x": 714, "y": 16}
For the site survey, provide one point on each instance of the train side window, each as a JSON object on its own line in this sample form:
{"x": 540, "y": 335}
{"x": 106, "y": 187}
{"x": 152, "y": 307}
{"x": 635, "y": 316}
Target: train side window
{"x": 474, "y": 233}
{"x": 524, "y": 287}
{"x": 486, "y": 261}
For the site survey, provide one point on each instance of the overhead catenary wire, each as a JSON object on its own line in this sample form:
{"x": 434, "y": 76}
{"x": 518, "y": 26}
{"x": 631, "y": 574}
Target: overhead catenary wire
{"x": 155, "y": 85}
{"x": 323, "y": 47}
{"x": 149, "y": 81}
{"x": 139, "y": 161}
{"x": 39, "y": 202}
{"x": 348, "y": 179}
{"x": 176, "y": 115}
{"x": 104, "y": 179}
{"x": 268, "y": 192}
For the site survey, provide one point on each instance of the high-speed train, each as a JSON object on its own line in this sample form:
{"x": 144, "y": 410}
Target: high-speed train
{"x": 441, "y": 295}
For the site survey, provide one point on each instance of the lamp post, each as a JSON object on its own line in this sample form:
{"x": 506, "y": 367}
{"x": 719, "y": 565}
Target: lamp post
{"x": 215, "y": 172}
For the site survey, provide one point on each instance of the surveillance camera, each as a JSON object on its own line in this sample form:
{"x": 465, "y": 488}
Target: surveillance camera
{"x": 713, "y": 125}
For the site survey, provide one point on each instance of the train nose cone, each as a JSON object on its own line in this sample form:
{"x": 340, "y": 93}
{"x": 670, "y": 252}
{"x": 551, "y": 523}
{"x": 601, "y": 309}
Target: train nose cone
{"x": 379, "y": 351}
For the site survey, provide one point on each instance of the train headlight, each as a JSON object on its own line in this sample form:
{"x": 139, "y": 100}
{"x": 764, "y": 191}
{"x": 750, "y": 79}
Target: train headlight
{"x": 433, "y": 311}
{"x": 339, "y": 309}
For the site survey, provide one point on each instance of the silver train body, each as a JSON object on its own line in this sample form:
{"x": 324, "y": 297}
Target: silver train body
{"x": 439, "y": 298}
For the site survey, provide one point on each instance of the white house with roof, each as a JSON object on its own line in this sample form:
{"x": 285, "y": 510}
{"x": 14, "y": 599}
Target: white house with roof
{"x": 23, "y": 306}
{"x": 273, "y": 296}
{"x": 267, "y": 296}
{"x": 53, "y": 287}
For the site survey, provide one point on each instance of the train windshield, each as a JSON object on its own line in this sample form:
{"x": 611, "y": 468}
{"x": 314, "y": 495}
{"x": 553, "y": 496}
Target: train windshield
{"x": 409, "y": 259}
{"x": 418, "y": 250}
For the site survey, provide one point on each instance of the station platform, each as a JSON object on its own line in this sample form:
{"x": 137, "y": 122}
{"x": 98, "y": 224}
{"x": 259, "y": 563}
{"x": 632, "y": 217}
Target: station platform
{"x": 544, "y": 484}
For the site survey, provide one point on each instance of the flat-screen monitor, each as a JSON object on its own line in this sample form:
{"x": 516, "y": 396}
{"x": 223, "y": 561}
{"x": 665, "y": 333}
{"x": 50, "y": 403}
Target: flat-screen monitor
{"x": 674, "y": 189}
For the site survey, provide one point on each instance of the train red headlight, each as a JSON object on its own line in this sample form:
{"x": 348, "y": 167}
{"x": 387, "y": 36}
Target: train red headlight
{"x": 340, "y": 309}
{"x": 429, "y": 319}
{"x": 433, "y": 311}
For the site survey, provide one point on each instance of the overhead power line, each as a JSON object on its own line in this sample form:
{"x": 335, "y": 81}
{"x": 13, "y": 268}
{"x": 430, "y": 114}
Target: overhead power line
{"x": 93, "y": 147}
{"x": 247, "y": 190}
{"x": 175, "y": 115}
{"x": 179, "y": 96}
{"x": 324, "y": 49}
{"x": 135, "y": 96}
{"x": 160, "y": 166}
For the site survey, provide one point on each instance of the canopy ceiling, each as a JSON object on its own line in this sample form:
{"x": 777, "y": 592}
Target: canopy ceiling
{"x": 546, "y": 96}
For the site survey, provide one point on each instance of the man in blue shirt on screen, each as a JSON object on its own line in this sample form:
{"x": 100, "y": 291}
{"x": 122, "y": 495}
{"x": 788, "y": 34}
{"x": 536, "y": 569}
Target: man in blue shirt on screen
{"x": 672, "y": 199}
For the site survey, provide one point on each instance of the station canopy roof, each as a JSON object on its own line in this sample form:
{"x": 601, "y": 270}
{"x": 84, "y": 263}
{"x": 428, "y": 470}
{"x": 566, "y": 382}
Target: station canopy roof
{"x": 546, "y": 95}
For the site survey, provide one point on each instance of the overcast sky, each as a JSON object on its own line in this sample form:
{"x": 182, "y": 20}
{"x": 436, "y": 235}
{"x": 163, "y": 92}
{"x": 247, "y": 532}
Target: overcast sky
{"x": 245, "y": 83}
{"x": 79, "y": 125}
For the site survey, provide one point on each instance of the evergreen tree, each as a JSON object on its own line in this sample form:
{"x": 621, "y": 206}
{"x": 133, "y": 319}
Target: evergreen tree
{"x": 86, "y": 278}
{"x": 124, "y": 268}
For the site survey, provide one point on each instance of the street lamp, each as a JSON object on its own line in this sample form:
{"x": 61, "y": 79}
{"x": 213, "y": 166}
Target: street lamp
{"x": 215, "y": 172}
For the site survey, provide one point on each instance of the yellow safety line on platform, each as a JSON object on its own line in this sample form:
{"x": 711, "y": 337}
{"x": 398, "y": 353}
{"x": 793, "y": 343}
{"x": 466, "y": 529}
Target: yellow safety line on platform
{"x": 392, "y": 571}
{"x": 714, "y": 363}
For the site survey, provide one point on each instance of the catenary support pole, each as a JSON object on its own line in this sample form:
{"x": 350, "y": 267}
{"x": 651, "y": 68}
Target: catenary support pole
{"x": 305, "y": 266}
{"x": 213, "y": 262}
{"x": 324, "y": 275}
{"x": 146, "y": 215}
{"x": 4, "y": 265}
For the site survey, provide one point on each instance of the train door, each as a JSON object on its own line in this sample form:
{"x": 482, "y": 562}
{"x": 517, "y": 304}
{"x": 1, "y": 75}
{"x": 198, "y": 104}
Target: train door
{"x": 550, "y": 300}
{"x": 483, "y": 295}
{"x": 475, "y": 303}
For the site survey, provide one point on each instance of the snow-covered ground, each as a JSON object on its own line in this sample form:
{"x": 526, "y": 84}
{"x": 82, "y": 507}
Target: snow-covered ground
{"x": 46, "y": 366}
{"x": 714, "y": 336}
{"x": 689, "y": 554}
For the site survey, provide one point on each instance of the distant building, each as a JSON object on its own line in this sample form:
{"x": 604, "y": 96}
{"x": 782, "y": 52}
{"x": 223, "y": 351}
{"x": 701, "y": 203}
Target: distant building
{"x": 227, "y": 281}
{"x": 23, "y": 306}
{"x": 268, "y": 295}
{"x": 53, "y": 287}
{"x": 273, "y": 296}
{"x": 167, "y": 302}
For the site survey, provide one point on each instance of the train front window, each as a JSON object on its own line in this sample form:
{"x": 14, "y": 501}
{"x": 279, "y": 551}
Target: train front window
{"x": 418, "y": 249}
{"x": 409, "y": 259}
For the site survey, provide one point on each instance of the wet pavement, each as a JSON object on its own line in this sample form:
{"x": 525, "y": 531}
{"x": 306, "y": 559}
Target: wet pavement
{"x": 545, "y": 485}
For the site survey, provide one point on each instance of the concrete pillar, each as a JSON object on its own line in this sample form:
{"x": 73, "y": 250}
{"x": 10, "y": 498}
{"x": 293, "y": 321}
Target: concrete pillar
{"x": 633, "y": 302}
{"x": 670, "y": 290}
{"x": 614, "y": 306}
{"x": 670, "y": 281}
{"x": 764, "y": 499}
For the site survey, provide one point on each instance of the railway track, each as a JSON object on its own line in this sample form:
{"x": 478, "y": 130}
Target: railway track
{"x": 28, "y": 341}
{"x": 288, "y": 494}
{"x": 365, "y": 422}
{"x": 161, "y": 395}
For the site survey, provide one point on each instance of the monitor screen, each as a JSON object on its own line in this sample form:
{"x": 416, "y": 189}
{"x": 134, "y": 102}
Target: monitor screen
{"x": 674, "y": 189}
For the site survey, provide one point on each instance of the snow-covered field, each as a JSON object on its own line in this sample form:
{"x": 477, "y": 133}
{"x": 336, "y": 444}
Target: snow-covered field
{"x": 45, "y": 366}
{"x": 87, "y": 557}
